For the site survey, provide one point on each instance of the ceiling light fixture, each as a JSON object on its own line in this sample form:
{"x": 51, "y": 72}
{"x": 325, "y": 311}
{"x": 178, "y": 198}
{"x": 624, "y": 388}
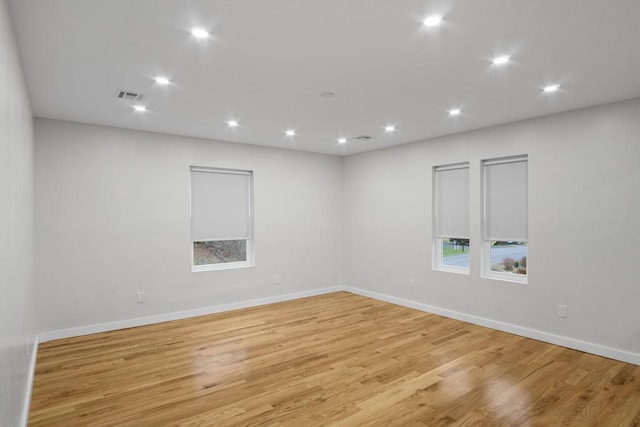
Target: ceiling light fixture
{"x": 389, "y": 128}
{"x": 290, "y": 132}
{"x": 501, "y": 60}
{"x": 455, "y": 112}
{"x": 163, "y": 81}
{"x": 551, "y": 88}
{"x": 342, "y": 140}
{"x": 199, "y": 33}
{"x": 232, "y": 123}
{"x": 432, "y": 20}
{"x": 140, "y": 108}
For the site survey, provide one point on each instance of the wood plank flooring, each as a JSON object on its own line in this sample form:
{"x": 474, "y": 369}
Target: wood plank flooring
{"x": 332, "y": 360}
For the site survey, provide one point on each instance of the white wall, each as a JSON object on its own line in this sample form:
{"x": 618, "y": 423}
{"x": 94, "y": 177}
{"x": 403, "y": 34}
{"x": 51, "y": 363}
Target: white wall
{"x": 112, "y": 219}
{"x": 17, "y": 303}
{"x": 584, "y": 232}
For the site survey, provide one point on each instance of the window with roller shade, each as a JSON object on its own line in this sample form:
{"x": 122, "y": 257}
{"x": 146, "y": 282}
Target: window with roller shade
{"x": 451, "y": 218}
{"x": 505, "y": 207}
{"x": 221, "y": 218}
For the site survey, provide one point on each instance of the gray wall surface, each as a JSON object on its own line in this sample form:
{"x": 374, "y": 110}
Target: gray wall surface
{"x": 113, "y": 218}
{"x": 17, "y": 300}
{"x": 584, "y": 206}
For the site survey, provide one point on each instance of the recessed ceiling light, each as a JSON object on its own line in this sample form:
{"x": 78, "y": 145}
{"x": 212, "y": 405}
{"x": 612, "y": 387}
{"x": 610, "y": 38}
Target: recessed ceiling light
{"x": 232, "y": 123}
{"x": 501, "y": 60}
{"x": 455, "y": 112}
{"x": 389, "y": 128}
{"x": 140, "y": 108}
{"x": 290, "y": 132}
{"x": 162, "y": 81}
{"x": 342, "y": 140}
{"x": 199, "y": 33}
{"x": 551, "y": 88}
{"x": 432, "y": 20}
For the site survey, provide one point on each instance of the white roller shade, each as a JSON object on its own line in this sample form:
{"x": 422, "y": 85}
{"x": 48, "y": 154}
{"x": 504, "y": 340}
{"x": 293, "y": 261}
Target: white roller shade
{"x": 452, "y": 188}
{"x": 505, "y": 186}
{"x": 220, "y": 204}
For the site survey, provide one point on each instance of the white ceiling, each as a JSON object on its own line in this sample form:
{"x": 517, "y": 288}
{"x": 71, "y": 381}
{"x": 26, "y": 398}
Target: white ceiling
{"x": 267, "y": 62}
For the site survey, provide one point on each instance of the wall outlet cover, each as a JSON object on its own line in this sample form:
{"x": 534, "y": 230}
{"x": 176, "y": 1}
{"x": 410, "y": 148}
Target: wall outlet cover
{"x": 562, "y": 311}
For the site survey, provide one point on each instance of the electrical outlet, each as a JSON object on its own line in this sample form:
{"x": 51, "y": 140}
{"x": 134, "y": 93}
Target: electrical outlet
{"x": 412, "y": 283}
{"x": 562, "y": 311}
{"x": 276, "y": 279}
{"x": 140, "y": 297}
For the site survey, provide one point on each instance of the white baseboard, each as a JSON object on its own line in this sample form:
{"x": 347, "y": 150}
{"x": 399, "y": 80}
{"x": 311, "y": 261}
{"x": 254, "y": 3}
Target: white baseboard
{"x": 148, "y": 320}
{"x": 573, "y": 343}
{"x": 30, "y": 375}
{"x": 600, "y": 350}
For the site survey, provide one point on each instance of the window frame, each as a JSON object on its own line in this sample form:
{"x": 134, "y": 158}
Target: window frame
{"x": 486, "y": 244}
{"x": 250, "y": 254}
{"x": 438, "y": 240}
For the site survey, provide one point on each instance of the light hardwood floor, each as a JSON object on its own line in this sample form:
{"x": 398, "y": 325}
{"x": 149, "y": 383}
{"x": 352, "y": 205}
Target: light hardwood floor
{"x": 332, "y": 360}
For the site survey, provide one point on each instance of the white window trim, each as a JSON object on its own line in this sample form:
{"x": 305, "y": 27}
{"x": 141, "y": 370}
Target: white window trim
{"x": 250, "y": 262}
{"x": 436, "y": 261}
{"x": 485, "y": 256}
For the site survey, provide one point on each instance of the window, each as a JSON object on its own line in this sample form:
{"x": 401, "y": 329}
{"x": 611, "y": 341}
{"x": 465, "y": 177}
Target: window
{"x": 451, "y": 218}
{"x": 505, "y": 208}
{"x": 221, "y": 218}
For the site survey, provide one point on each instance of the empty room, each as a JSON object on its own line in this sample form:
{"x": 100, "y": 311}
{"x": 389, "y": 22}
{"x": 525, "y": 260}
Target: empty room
{"x": 319, "y": 213}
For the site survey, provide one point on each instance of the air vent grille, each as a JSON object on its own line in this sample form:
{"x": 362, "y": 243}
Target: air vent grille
{"x": 363, "y": 137}
{"x": 128, "y": 95}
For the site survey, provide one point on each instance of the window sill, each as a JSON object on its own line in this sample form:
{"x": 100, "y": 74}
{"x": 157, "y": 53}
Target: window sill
{"x": 457, "y": 270}
{"x": 226, "y": 266}
{"x": 513, "y": 278}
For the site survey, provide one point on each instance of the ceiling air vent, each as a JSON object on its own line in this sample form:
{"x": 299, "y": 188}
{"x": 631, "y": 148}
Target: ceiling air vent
{"x": 129, "y": 96}
{"x": 363, "y": 137}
